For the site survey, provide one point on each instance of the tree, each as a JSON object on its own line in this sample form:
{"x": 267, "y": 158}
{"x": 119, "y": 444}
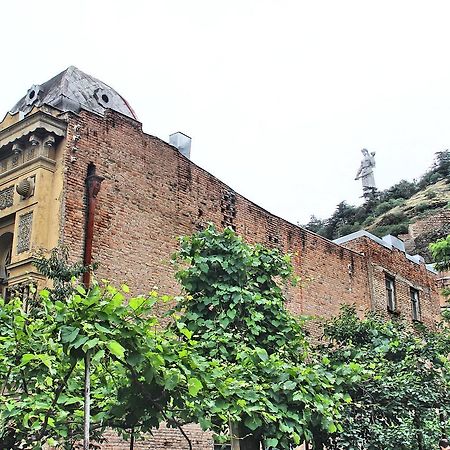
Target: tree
{"x": 258, "y": 371}
{"x": 440, "y": 251}
{"x": 315, "y": 225}
{"x": 42, "y": 358}
{"x": 402, "y": 190}
{"x": 440, "y": 170}
{"x": 442, "y": 164}
{"x": 401, "y": 399}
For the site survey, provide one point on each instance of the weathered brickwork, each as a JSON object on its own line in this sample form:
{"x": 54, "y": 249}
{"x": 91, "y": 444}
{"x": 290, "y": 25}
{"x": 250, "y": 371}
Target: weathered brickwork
{"x": 164, "y": 438}
{"x": 152, "y": 194}
{"x": 406, "y": 274}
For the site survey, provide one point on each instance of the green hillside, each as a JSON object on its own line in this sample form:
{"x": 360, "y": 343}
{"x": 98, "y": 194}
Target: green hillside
{"x": 394, "y": 210}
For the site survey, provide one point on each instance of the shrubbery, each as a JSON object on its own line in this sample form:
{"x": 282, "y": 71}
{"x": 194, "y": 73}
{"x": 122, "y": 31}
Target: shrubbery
{"x": 348, "y": 218}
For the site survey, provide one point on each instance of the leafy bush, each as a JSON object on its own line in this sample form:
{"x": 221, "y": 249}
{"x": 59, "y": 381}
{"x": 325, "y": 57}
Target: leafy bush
{"x": 369, "y": 220}
{"x": 421, "y": 207}
{"x": 440, "y": 170}
{"x": 394, "y": 230}
{"x": 404, "y": 189}
{"x": 393, "y": 218}
{"x": 400, "y": 401}
{"x": 387, "y": 205}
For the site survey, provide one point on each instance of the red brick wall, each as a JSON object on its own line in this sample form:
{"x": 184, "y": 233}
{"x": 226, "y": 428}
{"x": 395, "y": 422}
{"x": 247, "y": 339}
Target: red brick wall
{"x": 151, "y": 194}
{"x": 164, "y": 438}
{"x": 392, "y": 262}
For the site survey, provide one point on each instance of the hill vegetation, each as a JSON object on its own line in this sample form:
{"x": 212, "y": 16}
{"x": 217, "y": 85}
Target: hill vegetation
{"x": 392, "y": 211}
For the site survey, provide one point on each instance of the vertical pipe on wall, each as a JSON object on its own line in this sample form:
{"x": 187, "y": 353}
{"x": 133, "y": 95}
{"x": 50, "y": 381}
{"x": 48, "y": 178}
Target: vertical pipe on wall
{"x": 93, "y": 183}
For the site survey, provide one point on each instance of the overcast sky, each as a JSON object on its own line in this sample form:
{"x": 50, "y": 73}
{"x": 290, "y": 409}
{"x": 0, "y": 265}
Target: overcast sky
{"x": 279, "y": 96}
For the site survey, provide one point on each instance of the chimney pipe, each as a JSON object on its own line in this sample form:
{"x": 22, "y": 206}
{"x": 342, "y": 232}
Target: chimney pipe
{"x": 182, "y": 142}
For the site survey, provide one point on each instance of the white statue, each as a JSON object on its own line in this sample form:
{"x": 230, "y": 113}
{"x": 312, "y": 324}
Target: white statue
{"x": 365, "y": 173}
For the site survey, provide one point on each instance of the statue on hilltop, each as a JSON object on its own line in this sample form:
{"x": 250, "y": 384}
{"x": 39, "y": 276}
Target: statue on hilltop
{"x": 365, "y": 173}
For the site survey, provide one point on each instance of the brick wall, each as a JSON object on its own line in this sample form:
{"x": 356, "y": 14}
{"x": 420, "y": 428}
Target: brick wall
{"x": 152, "y": 194}
{"x": 383, "y": 261}
{"x": 164, "y": 438}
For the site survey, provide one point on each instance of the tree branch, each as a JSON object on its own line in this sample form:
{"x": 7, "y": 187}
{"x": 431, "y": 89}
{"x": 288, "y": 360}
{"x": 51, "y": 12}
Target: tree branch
{"x": 55, "y": 399}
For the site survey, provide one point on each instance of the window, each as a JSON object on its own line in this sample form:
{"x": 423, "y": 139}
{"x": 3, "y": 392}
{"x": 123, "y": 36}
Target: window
{"x": 415, "y": 303}
{"x": 390, "y": 294}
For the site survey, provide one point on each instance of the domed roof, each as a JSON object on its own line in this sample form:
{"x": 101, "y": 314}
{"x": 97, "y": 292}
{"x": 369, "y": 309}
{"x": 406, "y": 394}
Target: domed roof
{"x": 72, "y": 90}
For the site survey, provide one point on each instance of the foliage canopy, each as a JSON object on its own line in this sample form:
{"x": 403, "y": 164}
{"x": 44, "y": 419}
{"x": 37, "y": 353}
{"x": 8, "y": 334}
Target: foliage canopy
{"x": 401, "y": 399}
{"x": 265, "y": 376}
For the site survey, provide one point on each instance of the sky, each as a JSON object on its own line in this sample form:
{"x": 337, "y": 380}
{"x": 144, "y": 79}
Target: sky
{"x": 279, "y": 96}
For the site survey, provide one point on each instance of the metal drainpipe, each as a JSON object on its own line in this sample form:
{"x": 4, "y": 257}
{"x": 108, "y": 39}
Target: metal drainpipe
{"x": 93, "y": 183}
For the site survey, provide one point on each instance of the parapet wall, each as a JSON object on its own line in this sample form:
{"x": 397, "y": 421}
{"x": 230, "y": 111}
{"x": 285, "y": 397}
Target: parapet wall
{"x": 152, "y": 194}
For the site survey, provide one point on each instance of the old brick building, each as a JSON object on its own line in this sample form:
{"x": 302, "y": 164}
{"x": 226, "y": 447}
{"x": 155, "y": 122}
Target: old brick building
{"x": 74, "y": 125}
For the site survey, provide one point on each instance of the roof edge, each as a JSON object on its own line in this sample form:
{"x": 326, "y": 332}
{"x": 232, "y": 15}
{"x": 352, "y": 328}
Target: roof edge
{"x": 387, "y": 241}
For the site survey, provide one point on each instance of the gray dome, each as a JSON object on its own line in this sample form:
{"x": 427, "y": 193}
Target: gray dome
{"x": 72, "y": 90}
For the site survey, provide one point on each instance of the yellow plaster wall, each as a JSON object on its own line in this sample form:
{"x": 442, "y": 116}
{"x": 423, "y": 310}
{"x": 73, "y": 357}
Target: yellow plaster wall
{"x": 45, "y": 204}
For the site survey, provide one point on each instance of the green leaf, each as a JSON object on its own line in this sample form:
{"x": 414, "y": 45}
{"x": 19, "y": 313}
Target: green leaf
{"x": 68, "y": 334}
{"x": 98, "y": 356}
{"x": 102, "y": 329}
{"x": 194, "y": 386}
{"x": 116, "y": 349}
{"x": 262, "y": 353}
{"x": 271, "y": 442}
{"x": 136, "y": 302}
{"x": 289, "y": 385}
{"x": 80, "y": 289}
{"x": 79, "y": 341}
{"x": 91, "y": 343}
{"x": 45, "y": 359}
{"x": 186, "y": 332}
{"x": 253, "y": 422}
{"x": 172, "y": 380}
{"x": 332, "y": 427}
{"x": 26, "y": 358}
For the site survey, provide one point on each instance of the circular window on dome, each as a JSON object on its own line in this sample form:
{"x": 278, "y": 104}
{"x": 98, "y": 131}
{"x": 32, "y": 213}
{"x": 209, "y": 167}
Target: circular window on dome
{"x": 103, "y": 97}
{"x": 32, "y": 94}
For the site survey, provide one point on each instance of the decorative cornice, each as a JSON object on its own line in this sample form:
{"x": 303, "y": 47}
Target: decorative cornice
{"x": 29, "y": 140}
{"x": 29, "y": 124}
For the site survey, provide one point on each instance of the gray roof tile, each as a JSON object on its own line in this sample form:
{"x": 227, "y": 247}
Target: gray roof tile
{"x": 72, "y": 90}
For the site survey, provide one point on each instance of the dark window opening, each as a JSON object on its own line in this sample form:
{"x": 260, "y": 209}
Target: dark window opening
{"x": 415, "y": 304}
{"x": 390, "y": 294}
